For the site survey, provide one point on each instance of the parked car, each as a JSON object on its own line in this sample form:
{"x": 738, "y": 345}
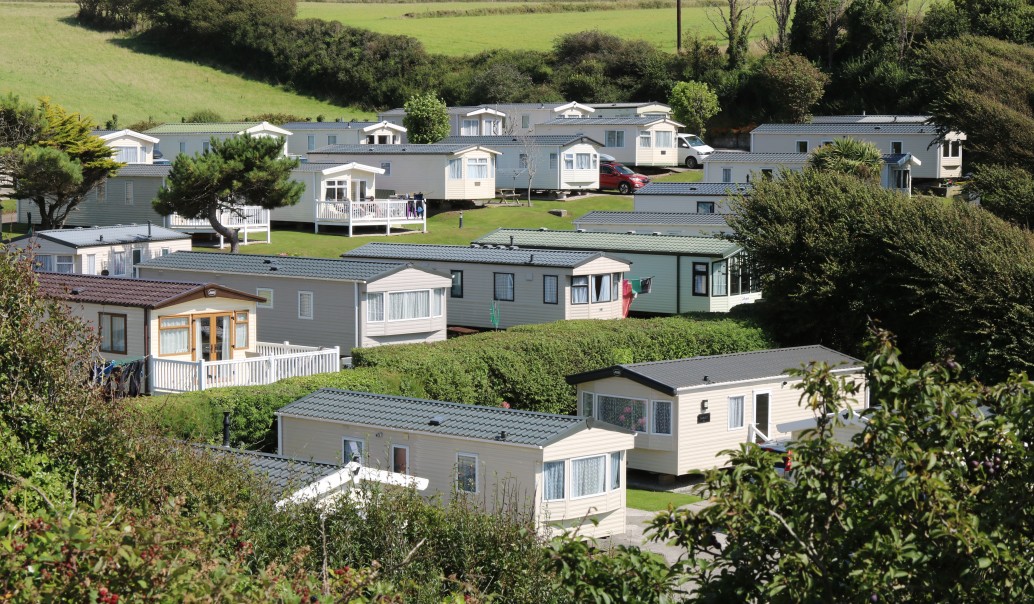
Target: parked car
{"x": 692, "y": 150}
{"x": 614, "y": 175}
{"x": 785, "y": 464}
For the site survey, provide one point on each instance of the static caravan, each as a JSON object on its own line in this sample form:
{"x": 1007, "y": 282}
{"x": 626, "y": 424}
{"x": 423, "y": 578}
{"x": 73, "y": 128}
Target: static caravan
{"x": 501, "y": 287}
{"x": 194, "y": 138}
{"x": 557, "y": 163}
{"x": 522, "y": 117}
{"x": 441, "y": 172}
{"x": 671, "y": 274}
{"x": 309, "y": 136}
{"x": 130, "y": 147}
{"x": 481, "y": 120}
{"x": 110, "y": 251}
{"x": 122, "y": 199}
{"x": 635, "y": 141}
{"x": 686, "y": 412}
{"x": 665, "y": 223}
{"x": 939, "y": 155}
{"x": 687, "y": 197}
{"x": 499, "y": 119}
{"x": 324, "y": 301}
{"x": 729, "y": 167}
{"x": 569, "y": 470}
{"x": 631, "y": 109}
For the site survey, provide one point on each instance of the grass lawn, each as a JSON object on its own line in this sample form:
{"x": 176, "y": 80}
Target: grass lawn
{"x": 442, "y": 227}
{"x": 8, "y": 205}
{"x": 471, "y": 35}
{"x": 686, "y": 176}
{"x": 656, "y": 501}
{"x": 43, "y": 53}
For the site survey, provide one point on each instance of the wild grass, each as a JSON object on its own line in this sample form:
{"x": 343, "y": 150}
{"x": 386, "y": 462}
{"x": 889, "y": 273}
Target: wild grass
{"x": 44, "y": 53}
{"x": 656, "y": 501}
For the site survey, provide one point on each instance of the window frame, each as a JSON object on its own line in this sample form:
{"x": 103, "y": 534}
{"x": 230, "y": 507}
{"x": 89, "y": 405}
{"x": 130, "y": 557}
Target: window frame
{"x": 368, "y": 307}
{"x": 362, "y": 448}
{"x": 454, "y": 171}
{"x": 269, "y": 299}
{"x": 614, "y": 470}
{"x": 104, "y": 321}
{"x": 726, "y": 175}
{"x": 606, "y": 475}
{"x": 802, "y": 146}
{"x": 556, "y": 289}
{"x": 452, "y": 288}
{"x": 161, "y": 328}
{"x": 312, "y": 305}
{"x": 563, "y": 483}
{"x": 706, "y": 204}
{"x": 130, "y": 199}
{"x": 645, "y": 139}
{"x": 653, "y": 417}
{"x": 477, "y": 473}
{"x": 310, "y": 142}
{"x": 430, "y": 302}
{"x": 896, "y": 150}
{"x": 657, "y": 139}
{"x": 704, "y": 269}
{"x": 117, "y": 257}
{"x": 477, "y": 163}
{"x": 569, "y": 161}
{"x": 386, "y": 166}
{"x": 579, "y": 287}
{"x": 607, "y": 290}
{"x": 69, "y": 263}
{"x": 237, "y": 321}
{"x": 716, "y": 265}
{"x": 742, "y": 412}
{"x": 495, "y": 287}
{"x": 394, "y": 468}
{"x": 619, "y": 138}
{"x": 596, "y": 413}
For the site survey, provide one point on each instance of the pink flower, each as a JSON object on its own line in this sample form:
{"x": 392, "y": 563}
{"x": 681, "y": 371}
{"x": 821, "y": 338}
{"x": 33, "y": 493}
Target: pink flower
{"x": 506, "y": 405}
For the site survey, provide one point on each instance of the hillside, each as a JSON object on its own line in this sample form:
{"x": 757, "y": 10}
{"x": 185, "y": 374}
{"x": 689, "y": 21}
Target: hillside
{"x": 97, "y": 73}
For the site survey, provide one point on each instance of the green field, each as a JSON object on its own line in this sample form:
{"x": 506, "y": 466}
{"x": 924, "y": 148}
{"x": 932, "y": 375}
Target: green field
{"x": 470, "y": 35}
{"x": 43, "y": 53}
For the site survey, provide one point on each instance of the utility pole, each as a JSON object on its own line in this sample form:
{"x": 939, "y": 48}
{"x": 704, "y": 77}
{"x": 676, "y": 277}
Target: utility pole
{"x": 678, "y": 25}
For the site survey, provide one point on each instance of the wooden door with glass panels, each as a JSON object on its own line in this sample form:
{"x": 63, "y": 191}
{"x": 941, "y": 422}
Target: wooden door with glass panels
{"x": 212, "y": 337}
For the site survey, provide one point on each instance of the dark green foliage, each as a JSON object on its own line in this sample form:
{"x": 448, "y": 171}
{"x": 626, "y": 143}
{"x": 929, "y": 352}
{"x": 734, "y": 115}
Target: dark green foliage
{"x": 1006, "y": 192}
{"x": 525, "y": 366}
{"x": 1011, "y": 20}
{"x": 596, "y": 67}
{"x": 623, "y": 574}
{"x": 927, "y": 504}
{"x": 944, "y": 21}
{"x": 947, "y": 277}
{"x": 858, "y": 158}
{"x": 426, "y": 120}
{"x": 789, "y": 86}
{"x": 982, "y": 87}
{"x": 203, "y": 116}
{"x": 693, "y": 104}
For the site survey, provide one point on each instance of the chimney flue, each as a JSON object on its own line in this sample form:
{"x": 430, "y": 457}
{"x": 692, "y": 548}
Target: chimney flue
{"x": 226, "y": 429}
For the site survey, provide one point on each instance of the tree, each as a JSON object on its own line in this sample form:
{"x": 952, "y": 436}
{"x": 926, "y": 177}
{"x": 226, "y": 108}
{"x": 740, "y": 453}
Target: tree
{"x": 52, "y": 157}
{"x": 528, "y": 159}
{"x": 817, "y": 29}
{"x": 426, "y": 120}
{"x": 737, "y": 22}
{"x": 1006, "y": 192}
{"x": 835, "y": 251}
{"x": 927, "y": 504}
{"x": 981, "y": 86}
{"x": 789, "y": 86}
{"x": 781, "y": 11}
{"x": 236, "y": 172}
{"x": 858, "y": 158}
{"x": 693, "y": 103}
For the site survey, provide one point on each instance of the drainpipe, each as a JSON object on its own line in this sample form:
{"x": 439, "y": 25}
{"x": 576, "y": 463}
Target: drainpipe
{"x": 355, "y": 286}
{"x": 226, "y": 429}
{"x": 678, "y": 284}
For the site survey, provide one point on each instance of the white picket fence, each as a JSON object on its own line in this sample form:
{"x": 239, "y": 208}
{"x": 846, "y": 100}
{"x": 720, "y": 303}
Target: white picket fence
{"x": 251, "y": 220}
{"x": 274, "y": 362}
{"x": 376, "y": 212}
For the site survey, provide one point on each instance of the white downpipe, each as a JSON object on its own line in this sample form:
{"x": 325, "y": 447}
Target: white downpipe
{"x": 355, "y": 286}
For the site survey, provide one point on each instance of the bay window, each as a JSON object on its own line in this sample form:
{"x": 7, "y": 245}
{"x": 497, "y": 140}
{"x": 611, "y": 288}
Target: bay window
{"x": 580, "y": 290}
{"x": 583, "y": 161}
{"x": 601, "y": 288}
{"x": 174, "y": 335}
{"x": 409, "y": 305}
{"x": 553, "y": 481}
{"x": 477, "y": 167}
{"x": 569, "y": 161}
{"x": 374, "y": 308}
{"x": 455, "y": 169}
{"x": 588, "y": 476}
{"x": 438, "y": 302}
{"x": 615, "y": 470}
{"x": 127, "y": 155}
{"x": 644, "y": 139}
{"x": 664, "y": 139}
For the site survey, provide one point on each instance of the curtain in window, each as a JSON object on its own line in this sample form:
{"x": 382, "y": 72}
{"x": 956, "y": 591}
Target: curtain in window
{"x": 583, "y": 161}
{"x": 662, "y": 417}
{"x": 625, "y": 412}
{"x": 455, "y": 169}
{"x": 614, "y": 138}
{"x": 409, "y": 305}
{"x": 118, "y": 263}
{"x": 601, "y": 288}
{"x": 550, "y": 284}
{"x": 105, "y": 329}
{"x": 45, "y": 263}
{"x": 175, "y": 335}
{"x": 118, "y": 334}
{"x": 504, "y": 286}
{"x": 588, "y": 476}
{"x": 552, "y": 161}
{"x": 224, "y": 337}
{"x": 579, "y": 290}
{"x": 664, "y": 139}
{"x": 65, "y": 264}
{"x": 126, "y": 155}
{"x": 436, "y": 302}
{"x": 305, "y": 305}
{"x": 353, "y": 448}
{"x": 644, "y": 139}
{"x": 469, "y": 128}
{"x": 568, "y": 161}
{"x": 553, "y": 480}
{"x": 735, "y": 412}
{"x": 615, "y": 287}
{"x": 615, "y": 470}
{"x": 587, "y": 399}
{"x": 467, "y": 473}
{"x": 240, "y": 333}
{"x": 477, "y": 167}
{"x": 719, "y": 278}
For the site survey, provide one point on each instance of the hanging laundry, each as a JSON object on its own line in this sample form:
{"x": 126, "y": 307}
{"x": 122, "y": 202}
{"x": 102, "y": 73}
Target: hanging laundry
{"x": 627, "y": 295}
{"x": 646, "y": 285}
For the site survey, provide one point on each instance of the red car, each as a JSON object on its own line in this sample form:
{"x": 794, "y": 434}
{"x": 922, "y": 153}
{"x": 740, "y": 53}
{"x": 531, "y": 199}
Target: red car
{"x": 617, "y": 176}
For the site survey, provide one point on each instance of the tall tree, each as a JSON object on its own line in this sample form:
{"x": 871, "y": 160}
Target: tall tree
{"x": 788, "y": 86}
{"x": 236, "y": 172}
{"x": 858, "y": 158}
{"x": 928, "y": 503}
{"x": 54, "y": 160}
{"x": 693, "y": 103}
{"x": 427, "y": 119}
{"x": 735, "y": 22}
{"x": 780, "y": 11}
{"x": 1006, "y": 192}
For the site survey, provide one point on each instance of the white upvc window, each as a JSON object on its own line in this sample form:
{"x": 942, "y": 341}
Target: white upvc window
{"x": 351, "y": 448}
{"x": 183, "y": 147}
{"x": 525, "y": 121}
{"x": 595, "y": 161}
{"x": 438, "y": 302}
{"x": 580, "y": 289}
{"x": 455, "y": 169}
{"x": 615, "y": 470}
{"x": 337, "y": 190}
{"x": 554, "y": 480}
{"x": 569, "y": 161}
{"x": 951, "y": 149}
{"x": 477, "y": 167}
{"x": 735, "y": 412}
{"x": 645, "y": 139}
{"x": 374, "y": 308}
{"x": 45, "y": 263}
{"x": 726, "y": 174}
{"x": 661, "y": 417}
{"x": 386, "y": 166}
{"x": 664, "y": 139}
{"x": 467, "y": 473}
{"x": 91, "y": 264}
{"x": 403, "y": 306}
{"x": 65, "y": 264}
{"x": 331, "y": 139}
{"x": 127, "y": 155}
{"x": 267, "y": 293}
{"x": 583, "y": 161}
{"x": 240, "y": 329}
{"x": 493, "y": 127}
{"x": 306, "y": 302}
{"x": 310, "y": 142}
{"x": 129, "y": 192}
{"x": 174, "y": 335}
{"x": 552, "y": 161}
{"x": 400, "y": 459}
{"x": 588, "y": 476}
{"x": 118, "y": 263}
{"x": 469, "y": 128}
{"x": 614, "y": 138}
{"x": 622, "y": 411}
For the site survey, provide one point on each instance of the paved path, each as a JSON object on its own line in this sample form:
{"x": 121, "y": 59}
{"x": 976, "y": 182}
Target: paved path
{"x": 635, "y": 533}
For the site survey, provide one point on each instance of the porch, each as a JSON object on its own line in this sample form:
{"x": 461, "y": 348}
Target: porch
{"x": 250, "y": 220}
{"x": 374, "y": 212}
{"x": 271, "y": 362}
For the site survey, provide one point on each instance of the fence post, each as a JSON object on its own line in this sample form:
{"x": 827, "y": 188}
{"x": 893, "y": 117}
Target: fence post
{"x": 150, "y": 374}
{"x": 272, "y": 369}
{"x": 201, "y": 374}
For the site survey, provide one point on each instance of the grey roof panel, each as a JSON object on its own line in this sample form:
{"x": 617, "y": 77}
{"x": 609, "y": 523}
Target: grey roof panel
{"x": 300, "y": 126}
{"x": 848, "y": 129}
{"x": 157, "y": 170}
{"x": 411, "y": 414}
{"x": 612, "y": 242}
{"x": 663, "y": 218}
{"x": 320, "y": 166}
{"x": 407, "y": 149}
{"x": 709, "y": 189}
{"x": 284, "y": 474}
{"x": 720, "y": 157}
{"x": 477, "y": 255}
{"x": 870, "y": 119}
{"x": 108, "y": 235}
{"x": 671, "y": 376}
{"x": 606, "y": 121}
{"x": 334, "y": 269}
{"x": 201, "y": 128}
{"x": 514, "y": 141}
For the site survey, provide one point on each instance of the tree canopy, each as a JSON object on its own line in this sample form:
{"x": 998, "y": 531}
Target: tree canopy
{"x": 236, "y": 172}
{"x": 858, "y": 158}
{"x": 693, "y": 103}
{"x": 1006, "y": 192}
{"x": 427, "y": 119}
{"x": 928, "y": 503}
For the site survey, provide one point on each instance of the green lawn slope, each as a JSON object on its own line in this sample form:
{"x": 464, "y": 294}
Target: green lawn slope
{"x": 43, "y": 53}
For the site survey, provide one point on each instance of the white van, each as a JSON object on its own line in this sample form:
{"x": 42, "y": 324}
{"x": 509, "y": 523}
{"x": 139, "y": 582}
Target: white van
{"x": 692, "y": 150}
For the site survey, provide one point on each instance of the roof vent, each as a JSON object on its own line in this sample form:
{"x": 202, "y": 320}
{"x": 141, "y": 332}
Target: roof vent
{"x": 630, "y": 232}
{"x": 514, "y": 247}
{"x": 878, "y": 128}
{"x": 502, "y": 435}
{"x": 511, "y": 240}
{"x": 76, "y": 291}
{"x": 706, "y": 379}
{"x": 656, "y": 233}
{"x": 693, "y": 189}
{"x": 273, "y": 268}
{"x": 581, "y": 231}
{"x": 531, "y": 259}
{"x": 476, "y": 246}
{"x": 543, "y": 229}
{"x": 100, "y": 238}
{"x": 267, "y": 261}
{"x": 436, "y": 420}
